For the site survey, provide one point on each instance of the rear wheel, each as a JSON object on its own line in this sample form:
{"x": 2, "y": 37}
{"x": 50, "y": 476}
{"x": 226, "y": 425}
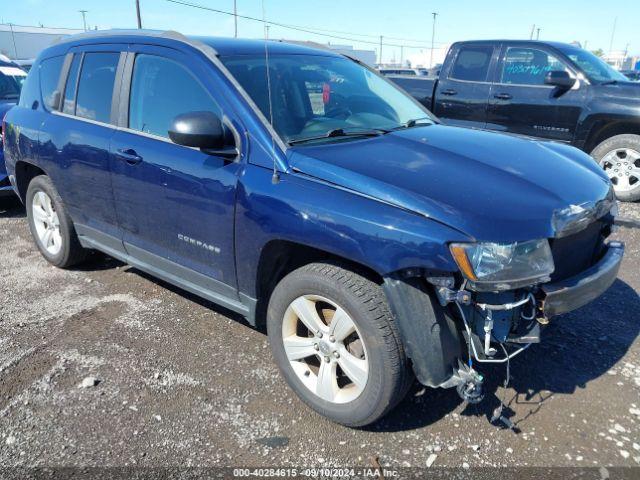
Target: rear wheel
{"x": 619, "y": 156}
{"x": 335, "y": 341}
{"x": 51, "y": 226}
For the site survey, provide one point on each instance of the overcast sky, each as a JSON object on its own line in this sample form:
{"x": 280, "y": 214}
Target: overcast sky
{"x": 406, "y": 22}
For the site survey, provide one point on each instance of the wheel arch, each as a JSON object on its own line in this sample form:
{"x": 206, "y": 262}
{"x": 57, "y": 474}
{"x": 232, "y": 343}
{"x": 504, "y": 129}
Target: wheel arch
{"x": 603, "y": 130}
{"x": 280, "y": 257}
{"x": 24, "y": 173}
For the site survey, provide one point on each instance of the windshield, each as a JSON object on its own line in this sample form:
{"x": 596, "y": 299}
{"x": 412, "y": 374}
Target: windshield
{"x": 315, "y": 96}
{"x": 11, "y": 80}
{"x": 595, "y": 68}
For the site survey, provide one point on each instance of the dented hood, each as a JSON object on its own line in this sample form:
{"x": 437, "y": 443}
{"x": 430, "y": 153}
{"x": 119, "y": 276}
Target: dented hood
{"x": 489, "y": 186}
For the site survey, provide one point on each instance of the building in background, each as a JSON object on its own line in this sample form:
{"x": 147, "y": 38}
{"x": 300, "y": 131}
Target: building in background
{"x": 23, "y": 43}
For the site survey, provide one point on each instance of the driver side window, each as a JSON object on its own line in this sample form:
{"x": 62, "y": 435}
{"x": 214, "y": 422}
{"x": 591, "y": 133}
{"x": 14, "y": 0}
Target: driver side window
{"x": 528, "y": 66}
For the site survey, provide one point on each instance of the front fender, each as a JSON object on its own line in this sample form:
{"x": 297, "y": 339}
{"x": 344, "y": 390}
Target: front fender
{"x": 307, "y": 212}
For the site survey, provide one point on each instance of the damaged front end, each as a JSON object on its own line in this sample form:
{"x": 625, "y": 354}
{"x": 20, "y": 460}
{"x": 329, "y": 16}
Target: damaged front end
{"x": 503, "y": 296}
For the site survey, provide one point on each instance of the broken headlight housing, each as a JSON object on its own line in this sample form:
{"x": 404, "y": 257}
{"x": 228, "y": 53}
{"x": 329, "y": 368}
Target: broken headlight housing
{"x": 504, "y": 266}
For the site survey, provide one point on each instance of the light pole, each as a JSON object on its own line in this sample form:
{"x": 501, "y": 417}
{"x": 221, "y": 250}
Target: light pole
{"x": 138, "y": 13}
{"x": 433, "y": 37}
{"x": 613, "y": 32}
{"x": 537, "y": 34}
{"x": 84, "y": 18}
{"x": 235, "y": 19}
{"x": 380, "y": 50}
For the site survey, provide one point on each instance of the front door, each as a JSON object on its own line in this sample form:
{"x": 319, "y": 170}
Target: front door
{"x": 175, "y": 204}
{"x": 462, "y": 94}
{"x": 520, "y": 102}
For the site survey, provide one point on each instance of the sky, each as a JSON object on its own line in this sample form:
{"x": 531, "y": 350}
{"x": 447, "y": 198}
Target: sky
{"x": 360, "y": 22}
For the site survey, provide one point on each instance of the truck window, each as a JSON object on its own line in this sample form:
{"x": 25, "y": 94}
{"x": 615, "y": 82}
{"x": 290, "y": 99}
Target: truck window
{"x": 69, "y": 103}
{"x": 95, "y": 87}
{"x": 472, "y": 63}
{"x": 528, "y": 66}
{"x": 162, "y": 89}
{"x": 49, "y": 76}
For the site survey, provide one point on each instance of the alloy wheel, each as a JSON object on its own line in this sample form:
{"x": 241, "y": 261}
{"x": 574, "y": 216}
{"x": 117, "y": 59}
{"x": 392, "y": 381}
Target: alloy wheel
{"x": 622, "y": 165}
{"x": 46, "y": 222}
{"x": 325, "y": 349}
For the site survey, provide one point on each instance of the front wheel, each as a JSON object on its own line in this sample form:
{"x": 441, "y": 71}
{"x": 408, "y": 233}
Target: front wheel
{"x": 619, "y": 156}
{"x": 336, "y": 344}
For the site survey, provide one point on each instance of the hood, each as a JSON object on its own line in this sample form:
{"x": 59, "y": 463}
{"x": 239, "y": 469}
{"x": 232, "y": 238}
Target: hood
{"x": 627, "y": 90}
{"x": 489, "y": 186}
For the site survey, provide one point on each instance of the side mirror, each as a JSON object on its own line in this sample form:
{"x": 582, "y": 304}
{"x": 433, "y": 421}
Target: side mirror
{"x": 198, "y": 129}
{"x": 559, "y": 78}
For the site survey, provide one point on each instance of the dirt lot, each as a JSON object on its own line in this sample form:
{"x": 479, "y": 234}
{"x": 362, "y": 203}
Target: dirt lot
{"x": 183, "y": 382}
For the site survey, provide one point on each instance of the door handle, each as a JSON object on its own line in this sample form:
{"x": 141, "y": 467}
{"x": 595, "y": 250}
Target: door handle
{"x": 449, "y": 91}
{"x": 129, "y": 155}
{"x": 503, "y": 96}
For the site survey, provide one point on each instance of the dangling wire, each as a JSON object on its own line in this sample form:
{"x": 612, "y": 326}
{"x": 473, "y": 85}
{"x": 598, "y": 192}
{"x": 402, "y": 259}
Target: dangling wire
{"x": 276, "y": 176}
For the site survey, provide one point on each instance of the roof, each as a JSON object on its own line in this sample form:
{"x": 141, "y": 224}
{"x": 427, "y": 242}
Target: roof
{"x": 523, "y": 42}
{"x": 222, "y": 46}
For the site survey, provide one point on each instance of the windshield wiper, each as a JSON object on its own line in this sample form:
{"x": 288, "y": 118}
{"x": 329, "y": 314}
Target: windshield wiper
{"x": 610, "y": 82}
{"x": 340, "y": 132}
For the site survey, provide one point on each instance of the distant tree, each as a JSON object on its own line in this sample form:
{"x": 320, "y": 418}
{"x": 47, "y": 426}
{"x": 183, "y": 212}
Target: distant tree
{"x": 598, "y": 53}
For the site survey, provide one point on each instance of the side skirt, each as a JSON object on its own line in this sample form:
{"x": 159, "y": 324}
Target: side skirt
{"x": 184, "y": 278}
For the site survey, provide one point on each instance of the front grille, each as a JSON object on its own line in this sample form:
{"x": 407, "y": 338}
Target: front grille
{"x": 575, "y": 253}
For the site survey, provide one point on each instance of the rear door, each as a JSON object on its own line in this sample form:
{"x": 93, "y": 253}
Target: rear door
{"x": 520, "y": 101}
{"x": 76, "y": 136}
{"x": 462, "y": 94}
{"x": 175, "y": 204}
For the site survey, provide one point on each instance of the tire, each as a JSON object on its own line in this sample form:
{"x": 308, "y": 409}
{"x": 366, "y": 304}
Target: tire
{"x": 339, "y": 295}
{"x": 46, "y": 213}
{"x": 619, "y": 156}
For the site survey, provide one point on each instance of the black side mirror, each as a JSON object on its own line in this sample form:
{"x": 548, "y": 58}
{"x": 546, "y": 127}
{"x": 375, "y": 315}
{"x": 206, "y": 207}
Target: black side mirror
{"x": 197, "y": 129}
{"x": 559, "y": 78}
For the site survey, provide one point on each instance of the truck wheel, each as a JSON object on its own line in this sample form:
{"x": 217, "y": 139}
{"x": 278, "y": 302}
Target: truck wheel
{"x": 619, "y": 156}
{"x": 336, "y": 344}
{"x": 51, "y": 226}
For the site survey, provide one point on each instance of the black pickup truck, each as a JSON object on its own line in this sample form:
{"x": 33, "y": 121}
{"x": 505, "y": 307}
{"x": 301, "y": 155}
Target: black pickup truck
{"x": 546, "y": 90}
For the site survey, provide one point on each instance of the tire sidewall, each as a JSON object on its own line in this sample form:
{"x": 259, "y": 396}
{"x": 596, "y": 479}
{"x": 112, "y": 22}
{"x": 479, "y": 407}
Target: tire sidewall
{"x": 613, "y": 143}
{"x": 375, "y": 395}
{"x": 43, "y": 184}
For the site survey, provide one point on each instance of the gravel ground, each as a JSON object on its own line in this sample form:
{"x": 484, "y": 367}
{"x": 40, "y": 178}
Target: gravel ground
{"x": 103, "y": 365}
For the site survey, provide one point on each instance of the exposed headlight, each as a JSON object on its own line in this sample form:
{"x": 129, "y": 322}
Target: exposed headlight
{"x": 498, "y": 266}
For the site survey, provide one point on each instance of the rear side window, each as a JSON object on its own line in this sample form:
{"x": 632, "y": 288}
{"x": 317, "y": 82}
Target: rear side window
{"x": 49, "y": 77}
{"x": 162, "y": 89}
{"x": 69, "y": 103}
{"x": 95, "y": 87}
{"x": 472, "y": 63}
{"x": 528, "y": 66}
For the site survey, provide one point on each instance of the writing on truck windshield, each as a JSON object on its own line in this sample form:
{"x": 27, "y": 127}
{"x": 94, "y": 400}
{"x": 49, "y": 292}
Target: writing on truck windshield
{"x": 314, "y": 95}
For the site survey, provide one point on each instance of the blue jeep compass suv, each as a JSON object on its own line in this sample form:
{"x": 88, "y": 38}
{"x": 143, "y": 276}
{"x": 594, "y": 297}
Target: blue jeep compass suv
{"x": 306, "y": 192}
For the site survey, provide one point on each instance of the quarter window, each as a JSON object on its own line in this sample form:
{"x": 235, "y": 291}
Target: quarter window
{"x": 472, "y": 63}
{"x": 162, "y": 89}
{"x": 95, "y": 87}
{"x": 49, "y": 77}
{"x": 528, "y": 66}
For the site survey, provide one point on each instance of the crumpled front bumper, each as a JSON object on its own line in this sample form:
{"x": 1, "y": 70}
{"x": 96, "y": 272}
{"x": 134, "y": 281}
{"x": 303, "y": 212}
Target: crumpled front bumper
{"x": 574, "y": 292}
